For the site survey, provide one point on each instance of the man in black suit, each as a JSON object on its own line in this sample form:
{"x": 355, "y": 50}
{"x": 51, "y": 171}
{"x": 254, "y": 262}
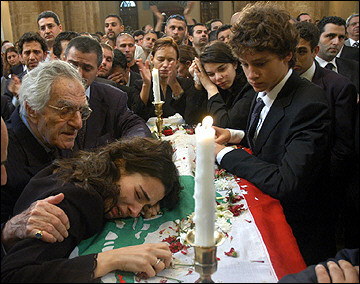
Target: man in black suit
{"x": 332, "y": 37}
{"x": 289, "y": 135}
{"x": 111, "y": 118}
{"x": 52, "y": 109}
{"x": 341, "y": 94}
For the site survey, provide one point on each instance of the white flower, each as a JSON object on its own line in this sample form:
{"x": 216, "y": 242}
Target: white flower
{"x": 223, "y": 225}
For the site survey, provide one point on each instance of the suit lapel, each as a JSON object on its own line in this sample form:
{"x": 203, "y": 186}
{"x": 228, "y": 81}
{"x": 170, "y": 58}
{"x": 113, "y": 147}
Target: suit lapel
{"x": 275, "y": 114}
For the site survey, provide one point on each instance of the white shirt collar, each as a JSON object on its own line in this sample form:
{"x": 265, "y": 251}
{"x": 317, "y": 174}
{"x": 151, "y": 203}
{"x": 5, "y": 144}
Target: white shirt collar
{"x": 351, "y": 41}
{"x": 323, "y": 62}
{"x": 128, "y": 83}
{"x": 270, "y": 97}
{"x": 309, "y": 74}
{"x": 87, "y": 93}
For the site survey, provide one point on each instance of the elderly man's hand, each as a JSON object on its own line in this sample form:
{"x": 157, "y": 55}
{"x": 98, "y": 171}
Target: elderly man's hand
{"x": 42, "y": 215}
{"x": 345, "y": 272}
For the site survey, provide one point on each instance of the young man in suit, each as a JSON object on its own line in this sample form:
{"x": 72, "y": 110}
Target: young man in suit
{"x": 289, "y": 135}
{"x": 111, "y": 118}
{"x": 332, "y": 37}
{"x": 341, "y": 94}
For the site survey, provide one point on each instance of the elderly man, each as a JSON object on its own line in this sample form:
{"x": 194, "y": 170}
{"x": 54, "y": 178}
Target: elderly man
{"x": 52, "y": 109}
{"x": 111, "y": 118}
{"x": 49, "y": 27}
{"x": 352, "y": 29}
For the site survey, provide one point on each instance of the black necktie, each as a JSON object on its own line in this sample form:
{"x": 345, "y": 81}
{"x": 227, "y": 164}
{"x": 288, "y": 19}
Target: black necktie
{"x": 254, "y": 120}
{"x": 356, "y": 44}
{"x": 329, "y": 66}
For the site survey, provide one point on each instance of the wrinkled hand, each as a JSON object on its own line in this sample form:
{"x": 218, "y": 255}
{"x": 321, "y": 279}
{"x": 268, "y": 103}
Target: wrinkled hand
{"x": 222, "y": 136}
{"x": 42, "y": 215}
{"x": 14, "y": 85}
{"x": 144, "y": 70}
{"x": 152, "y": 211}
{"x": 346, "y": 273}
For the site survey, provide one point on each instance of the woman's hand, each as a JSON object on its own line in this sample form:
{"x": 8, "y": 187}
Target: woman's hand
{"x": 144, "y": 71}
{"x": 138, "y": 259}
{"x": 204, "y": 79}
{"x": 152, "y": 211}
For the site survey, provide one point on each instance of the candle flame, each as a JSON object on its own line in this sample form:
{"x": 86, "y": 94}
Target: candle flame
{"x": 207, "y": 121}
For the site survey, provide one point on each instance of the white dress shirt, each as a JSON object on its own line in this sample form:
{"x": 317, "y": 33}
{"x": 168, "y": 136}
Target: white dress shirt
{"x": 323, "y": 63}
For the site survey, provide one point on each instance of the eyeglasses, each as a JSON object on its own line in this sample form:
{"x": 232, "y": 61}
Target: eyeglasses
{"x": 177, "y": 17}
{"x": 67, "y": 112}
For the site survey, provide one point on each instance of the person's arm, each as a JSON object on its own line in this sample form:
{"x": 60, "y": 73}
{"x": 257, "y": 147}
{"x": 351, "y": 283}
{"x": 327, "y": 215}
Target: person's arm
{"x": 42, "y": 215}
{"x": 159, "y": 18}
{"x": 146, "y": 77}
{"x": 187, "y": 11}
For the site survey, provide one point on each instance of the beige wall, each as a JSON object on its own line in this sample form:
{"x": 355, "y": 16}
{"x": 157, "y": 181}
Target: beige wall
{"x": 18, "y": 17}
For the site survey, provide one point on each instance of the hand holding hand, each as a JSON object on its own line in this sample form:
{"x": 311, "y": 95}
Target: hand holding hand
{"x": 42, "y": 215}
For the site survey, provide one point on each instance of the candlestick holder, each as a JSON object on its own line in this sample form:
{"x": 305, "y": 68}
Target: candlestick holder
{"x": 205, "y": 257}
{"x": 159, "y": 119}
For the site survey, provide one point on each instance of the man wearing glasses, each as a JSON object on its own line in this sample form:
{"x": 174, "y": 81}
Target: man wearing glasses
{"x": 53, "y": 108}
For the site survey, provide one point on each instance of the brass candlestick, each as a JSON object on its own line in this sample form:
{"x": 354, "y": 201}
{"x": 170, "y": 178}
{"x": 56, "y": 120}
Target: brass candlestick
{"x": 205, "y": 257}
{"x": 159, "y": 120}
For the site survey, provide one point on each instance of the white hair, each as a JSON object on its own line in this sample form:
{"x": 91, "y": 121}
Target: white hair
{"x": 36, "y": 85}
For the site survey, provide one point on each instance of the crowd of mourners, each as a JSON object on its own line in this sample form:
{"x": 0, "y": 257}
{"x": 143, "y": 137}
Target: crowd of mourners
{"x": 76, "y": 149}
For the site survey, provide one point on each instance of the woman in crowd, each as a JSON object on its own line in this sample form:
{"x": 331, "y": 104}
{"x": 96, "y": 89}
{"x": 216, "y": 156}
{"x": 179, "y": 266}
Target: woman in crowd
{"x": 187, "y": 55}
{"x": 179, "y": 94}
{"x": 120, "y": 180}
{"x": 223, "y": 81}
{"x": 12, "y": 64}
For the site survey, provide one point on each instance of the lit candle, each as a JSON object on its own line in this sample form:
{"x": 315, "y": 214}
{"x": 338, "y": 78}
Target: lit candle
{"x": 156, "y": 85}
{"x": 204, "y": 192}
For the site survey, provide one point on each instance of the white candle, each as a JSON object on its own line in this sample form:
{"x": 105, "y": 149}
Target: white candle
{"x": 156, "y": 85}
{"x": 204, "y": 192}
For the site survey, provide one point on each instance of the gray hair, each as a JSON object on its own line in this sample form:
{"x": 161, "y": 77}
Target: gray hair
{"x": 350, "y": 17}
{"x": 36, "y": 85}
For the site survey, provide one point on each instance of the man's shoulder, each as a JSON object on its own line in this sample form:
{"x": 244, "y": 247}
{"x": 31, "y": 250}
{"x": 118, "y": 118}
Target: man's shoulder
{"x": 103, "y": 89}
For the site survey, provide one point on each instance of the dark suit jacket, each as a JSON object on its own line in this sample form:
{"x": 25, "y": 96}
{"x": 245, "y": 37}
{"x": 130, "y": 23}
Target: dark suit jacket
{"x": 234, "y": 113}
{"x": 111, "y": 118}
{"x": 290, "y": 162}
{"x": 350, "y": 69}
{"x": 341, "y": 95}
{"x": 6, "y": 107}
{"x": 26, "y": 157}
{"x": 350, "y": 52}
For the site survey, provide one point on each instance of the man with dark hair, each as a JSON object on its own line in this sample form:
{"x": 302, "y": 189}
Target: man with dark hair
{"x": 61, "y": 42}
{"x": 176, "y": 27}
{"x": 304, "y": 17}
{"x": 49, "y": 27}
{"x": 332, "y": 37}
{"x": 199, "y": 37}
{"x": 215, "y": 24}
{"x": 138, "y": 37}
{"x": 111, "y": 118}
{"x": 341, "y": 94}
{"x": 113, "y": 27}
{"x": 352, "y": 29}
{"x": 288, "y": 130}
{"x": 32, "y": 50}
{"x": 223, "y": 33}
{"x": 126, "y": 44}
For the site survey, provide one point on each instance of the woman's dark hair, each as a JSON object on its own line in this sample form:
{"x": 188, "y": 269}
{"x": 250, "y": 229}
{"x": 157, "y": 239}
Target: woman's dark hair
{"x": 187, "y": 53}
{"x": 218, "y": 51}
{"x": 100, "y": 170}
{"x": 7, "y": 66}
